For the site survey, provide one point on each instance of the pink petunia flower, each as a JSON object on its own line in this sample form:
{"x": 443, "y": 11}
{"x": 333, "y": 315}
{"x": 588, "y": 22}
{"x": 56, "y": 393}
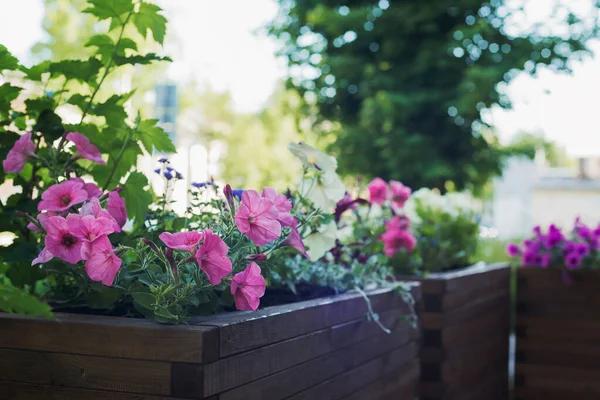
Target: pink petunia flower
{"x": 399, "y": 194}
{"x": 43, "y": 257}
{"x": 93, "y": 207}
{"x": 212, "y": 257}
{"x": 282, "y": 204}
{"x": 396, "y": 239}
{"x": 91, "y": 188}
{"x": 377, "y": 191}
{"x": 84, "y": 148}
{"x": 185, "y": 241}
{"x": 42, "y": 218}
{"x": 89, "y": 228}
{"x": 400, "y": 222}
{"x": 102, "y": 264}
{"x": 60, "y": 242}
{"x": 21, "y": 152}
{"x": 116, "y": 207}
{"x": 295, "y": 240}
{"x": 62, "y": 196}
{"x": 248, "y": 287}
{"x": 257, "y": 218}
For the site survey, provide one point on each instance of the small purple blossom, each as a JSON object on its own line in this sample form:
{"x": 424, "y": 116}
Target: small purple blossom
{"x": 163, "y": 160}
{"x": 545, "y": 260}
{"x": 199, "y": 185}
{"x": 513, "y": 250}
{"x": 238, "y": 193}
{"x": 573, "y": 261}
{"x": 157, "y": 170}
{"x": 168, "y": 175}
{"x": 178, "y": 175}
{"x": 583, "y": 249}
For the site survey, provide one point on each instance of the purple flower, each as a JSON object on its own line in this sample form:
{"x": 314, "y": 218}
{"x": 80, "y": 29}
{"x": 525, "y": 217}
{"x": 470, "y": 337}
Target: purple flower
{"x": 157, "y": 170}
{"x": 573, "y": 261}
{"x": 163, "y": 160}
{"x": 178, "y": 175}
{"x": 537, "y": 230}
{"x": 199, "y": 185}
{"x": 238, "y": 193}
{"x": 168, "y": 175}
{"x": 570, "y": 247}
{"x": 583, "y": 249}
{"x": 553, "y": 239}
{"x": 531, "y": 259}
{"x": 545, "y": 260}
{"x": 513, "y": 250}
{"x": 583, "y": 231}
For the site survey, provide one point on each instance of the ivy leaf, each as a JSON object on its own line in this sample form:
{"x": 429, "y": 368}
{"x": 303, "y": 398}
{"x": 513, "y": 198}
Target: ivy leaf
{"x": 152, "y": 135}
{"x": 128, "y": 160}
{"x": 149, "y": 17}
{"x": 7, "y": 60}
{"x": 104, "y": 9}
{"x": 137, "y": 198}
{"x": 84, "y": 71}
{"x": 50, "y": 125}
{"x": 140, "y": 59}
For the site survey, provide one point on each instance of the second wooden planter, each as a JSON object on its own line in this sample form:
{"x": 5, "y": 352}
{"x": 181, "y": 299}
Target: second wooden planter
{"x": 558, "y": 335}
{"x": 465, "y": 323}
{"x": 317, "y": 349}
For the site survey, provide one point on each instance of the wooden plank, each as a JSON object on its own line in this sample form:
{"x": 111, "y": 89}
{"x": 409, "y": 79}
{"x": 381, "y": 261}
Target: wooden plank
{"x": 547, "y": 344}
{"x": 347, "y": 383}
{"x": 90, "y": 372}
{"x": 400, "y": 385}
{"x": 494, "y": 388}
{"x": 244, "y": 331}
{"x": 554, "y": 328}
{"x": 110, "y": 337}
{"x": 242, "y": 368}
{"x": 578, "y": 381}
{"x": 559, "y": 356}
{"x": 26, "y": 391}
{"x": 458, "y": 299}
{"x": 429, "y": 285}
{"x": 301, "y": 377}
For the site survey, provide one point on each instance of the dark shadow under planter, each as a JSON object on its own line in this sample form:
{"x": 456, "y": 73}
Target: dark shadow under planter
{"x": 316, "y": 349}
{"x": 558, "y": 335}
{"x": 465, "y": 322}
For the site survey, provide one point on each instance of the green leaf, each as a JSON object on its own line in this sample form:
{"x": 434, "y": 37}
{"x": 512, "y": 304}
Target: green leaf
{"x": 128, "y": 160}
{"x": 125, "y": 44}
{"x": 137, "y": 197}
{"x": 140, "y": 59}
{"x": 7, "y": 94}
{"x": 15, "y": 300}
{"x": 50, "y": 125}
{"x": 112, "y": 110}
{"x": 104, "y": 9}
{"x": 84, "y": 71}
{"x": 149, "y": 18}
{"x": 104, "y": 43}
{"x": 39, "y": 104}
{"x": 7, "y": 60}
{"x": 103, "y": 297}
{"x": 144, "y": 299}
{"x": 79, "y": 100}
{"x": 153, "y": 136}
{"x": 35, "y": 72}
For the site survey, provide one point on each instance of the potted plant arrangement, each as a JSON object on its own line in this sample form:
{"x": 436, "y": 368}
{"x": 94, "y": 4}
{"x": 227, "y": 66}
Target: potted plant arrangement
{"x": 464, "y": 313}
{"x": 144, "y": 299}
{"x": 557, "y": 326}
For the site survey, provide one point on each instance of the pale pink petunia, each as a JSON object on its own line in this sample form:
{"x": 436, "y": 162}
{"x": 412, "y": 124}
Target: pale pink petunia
{"x": 43, "y": 257}
{"x": 88, "y": 227}
{"x": 93, "y": 207}
{"x": 396, "y": 239}
{"x": 212, "y": 257}
{"x": 102, "y": 264}
{"x": 185, "y": 241}
{"x": 377, "y": 191}
{"x": 42, "y": 218}
{"x": 399, "y": 194}
{"x": 295, "y": 240}
{"x": 21, "y": 152}
{"x": 84, "y": 148}
{"x": 248, "y": 287}
{"x": 116, "y": 207}
{"x": 62, "y": 196}
{"x": 257, "y": 218}
{"x": 282, "y": 204}
{"x": 91, "y": 188}
{"x": 60, "y": 242}
{"x": 400, "y": 222}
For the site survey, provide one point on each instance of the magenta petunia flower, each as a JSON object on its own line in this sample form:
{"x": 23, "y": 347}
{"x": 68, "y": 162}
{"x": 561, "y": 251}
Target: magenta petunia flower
{"x": 212, "y": 257}
{"x": 102, "y": 264}
{"x": 294, "y": 240}
{"x": 116, "y": 207}
{"x": 377, "y": 191}
{"x": 399, "y": 222}
{"x": 396, "y": 239}
{"x": 93, "y": 207}
{"x": 91, "y": 188}
{"x": 544, "y": 260}
{"x": 88, "y": 229}
{"x": 84, "y": 148}
{"x": 513, "y": 250}
{"x": 257, "y": 218}
{"x": 43, "y": 257}
{"x": 21, "y": 152}
{"x": 399, "y": 194}
{"x": 185, "y": 241}
{"x": 60, "y": 242}
{"x": 583, "y": 249}
{"x": 282, "y": 204}
{"x": 62, "y": 196}
{"x": 573, "y": 260}
{"x": 248, "y": 287}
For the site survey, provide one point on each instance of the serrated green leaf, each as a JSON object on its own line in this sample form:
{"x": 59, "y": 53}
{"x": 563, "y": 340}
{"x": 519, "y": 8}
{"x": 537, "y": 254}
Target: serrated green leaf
{"x": 50, "y": 125}
{"x": 15, "y": 300}
{"x": 128, "y": 160}
{"x": 104, "y": 43}
{"x": 7, "y": 94}
{"x": 35, "y": 72}
{"x": 137, "y": 197}
{"x": 7, "y": 60}
{"x": 104, "y": 9}
{"x": 112, "y": 110}
{"x": 149, "y": 18}
{"x": 153, "y": 136}
{"x": 140, "y": 59}
{"x": 125, "y": 44}
{"x": 83, "y": 71}
{"x": 79, "y": 100}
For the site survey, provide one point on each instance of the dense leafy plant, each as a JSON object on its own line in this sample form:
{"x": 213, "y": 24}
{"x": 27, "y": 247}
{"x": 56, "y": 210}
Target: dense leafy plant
{"x": 402, "y": 84}
{"x": 572, "y": 251}
{"x": 446, "y": 229}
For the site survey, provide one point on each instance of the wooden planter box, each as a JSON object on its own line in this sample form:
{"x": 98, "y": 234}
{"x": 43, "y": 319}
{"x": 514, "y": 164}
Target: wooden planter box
{"x": 465, "y": 321}
{"x": 317, "y": 349}
{"x": 558, "y": 335}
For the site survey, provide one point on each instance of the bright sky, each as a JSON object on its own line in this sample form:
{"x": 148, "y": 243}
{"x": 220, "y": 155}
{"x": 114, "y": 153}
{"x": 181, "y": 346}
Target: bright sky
{"x": 218, "y": 46}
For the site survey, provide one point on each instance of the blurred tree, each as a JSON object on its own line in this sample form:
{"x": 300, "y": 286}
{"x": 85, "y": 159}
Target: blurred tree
{"x": 528, "y": 143}
{"x": 402, "y": 83}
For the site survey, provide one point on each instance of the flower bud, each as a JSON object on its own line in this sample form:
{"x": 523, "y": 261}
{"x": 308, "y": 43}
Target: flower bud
{"x": 257, "y": 257}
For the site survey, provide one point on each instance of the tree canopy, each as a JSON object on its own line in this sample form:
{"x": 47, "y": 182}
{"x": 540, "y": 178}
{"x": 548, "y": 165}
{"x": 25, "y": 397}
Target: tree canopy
{"x": 401, "y": 84}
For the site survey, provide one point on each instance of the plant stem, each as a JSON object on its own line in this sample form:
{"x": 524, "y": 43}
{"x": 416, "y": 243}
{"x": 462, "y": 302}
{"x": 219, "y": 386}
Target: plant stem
{"x": 118, "y": 159}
